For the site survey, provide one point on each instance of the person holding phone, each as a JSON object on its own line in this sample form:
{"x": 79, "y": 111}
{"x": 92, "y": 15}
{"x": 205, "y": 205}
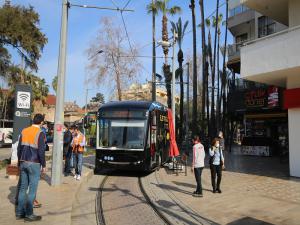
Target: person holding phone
{"x": 216, "y": 164}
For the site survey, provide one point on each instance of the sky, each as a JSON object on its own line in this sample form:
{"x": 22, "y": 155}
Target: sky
{"x": 83, "y": 25}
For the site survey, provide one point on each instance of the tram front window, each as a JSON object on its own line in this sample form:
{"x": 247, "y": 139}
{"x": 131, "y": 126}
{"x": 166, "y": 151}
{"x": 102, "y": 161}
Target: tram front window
{"x": 125, "y": 134}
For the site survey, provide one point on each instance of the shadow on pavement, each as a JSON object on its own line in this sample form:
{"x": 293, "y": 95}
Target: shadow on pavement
{"x": 249, "y": 221}
{"x": 12, "y": 195}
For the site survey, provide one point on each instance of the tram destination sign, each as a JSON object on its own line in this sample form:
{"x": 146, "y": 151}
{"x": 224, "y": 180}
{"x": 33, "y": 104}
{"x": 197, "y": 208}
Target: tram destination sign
{"x": 123, "y": 114}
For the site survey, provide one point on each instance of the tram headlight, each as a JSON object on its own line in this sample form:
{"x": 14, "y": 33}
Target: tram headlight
{"x": 112, "y": 158}
{"x": 105, "y": 158}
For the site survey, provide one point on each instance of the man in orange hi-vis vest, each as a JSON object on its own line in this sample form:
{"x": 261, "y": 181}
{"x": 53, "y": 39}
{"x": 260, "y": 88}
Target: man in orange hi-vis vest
{"x": 78, "y": 144}
{"x": 31, "y": 161}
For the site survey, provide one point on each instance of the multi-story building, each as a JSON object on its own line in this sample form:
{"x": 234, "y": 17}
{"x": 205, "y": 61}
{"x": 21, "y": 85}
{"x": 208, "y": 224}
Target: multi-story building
{"x": 270, "y": 54}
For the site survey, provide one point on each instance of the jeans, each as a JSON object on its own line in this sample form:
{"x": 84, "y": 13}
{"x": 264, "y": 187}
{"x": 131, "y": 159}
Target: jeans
{"x": 78, "y": 163}
{"x": 68, "y": 160}
{"x": 72, "y": 160}
{"x": 198, "y": 173}
{"x": 216, "y": 170}
{"x": 29, "y": 178}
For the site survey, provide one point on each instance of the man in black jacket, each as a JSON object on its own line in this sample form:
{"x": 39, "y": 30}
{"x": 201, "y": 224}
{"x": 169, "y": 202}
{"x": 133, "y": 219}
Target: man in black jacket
{"x": 67, "y": 149}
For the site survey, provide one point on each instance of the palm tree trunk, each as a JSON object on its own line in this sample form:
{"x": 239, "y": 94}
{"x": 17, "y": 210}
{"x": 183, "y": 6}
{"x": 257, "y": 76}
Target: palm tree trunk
{"x": 194, "y": 113}
{"x": 218, "y": 77}
{"x": 213, "y": 116}
{"x": 204, "y": 74}
{"x": 180, "y": 61}
{"x": 165, "y": 37}
{"x": 153, "y": 57}
{"x": 224, "y": 69}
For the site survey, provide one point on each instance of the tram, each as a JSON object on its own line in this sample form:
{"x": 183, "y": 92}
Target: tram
{"x": 132, "y": 135}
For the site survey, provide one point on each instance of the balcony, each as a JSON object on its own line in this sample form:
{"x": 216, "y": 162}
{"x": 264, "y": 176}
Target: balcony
{"x": 272, "y": 59}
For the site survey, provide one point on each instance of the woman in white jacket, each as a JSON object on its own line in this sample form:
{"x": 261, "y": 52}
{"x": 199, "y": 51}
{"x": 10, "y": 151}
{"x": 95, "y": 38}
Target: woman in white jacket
{"x": 198, "y": 164}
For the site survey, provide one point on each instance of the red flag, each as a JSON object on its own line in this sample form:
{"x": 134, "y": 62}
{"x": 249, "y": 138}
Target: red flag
{"x": 173, "y": 145}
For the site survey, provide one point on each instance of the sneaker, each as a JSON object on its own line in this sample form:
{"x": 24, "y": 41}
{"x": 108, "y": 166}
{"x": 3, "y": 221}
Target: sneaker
{"x": 20, "y": 217}
{"x": 32, "y": 218}
{"x": 78, "y": 177}
{"x": 75, "y": 176}
{"x": 214, "y": 191}
{"x": 219, "y": 191}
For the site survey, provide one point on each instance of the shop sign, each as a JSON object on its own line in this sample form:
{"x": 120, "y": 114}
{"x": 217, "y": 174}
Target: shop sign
{"x": 268, "y": 98}
{"x": 255, "y": 98}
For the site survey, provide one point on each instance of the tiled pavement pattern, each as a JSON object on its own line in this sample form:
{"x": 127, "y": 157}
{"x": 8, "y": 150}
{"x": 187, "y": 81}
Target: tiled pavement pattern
{"x": 165, "y": 201}
{"x": 57, "y": 201}
{"x": 124, "y": 204}
{"x": 260, "y": 194}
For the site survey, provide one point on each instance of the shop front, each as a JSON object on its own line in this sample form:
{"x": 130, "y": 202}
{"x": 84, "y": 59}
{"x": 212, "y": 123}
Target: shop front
{"x": 261, "y": 122}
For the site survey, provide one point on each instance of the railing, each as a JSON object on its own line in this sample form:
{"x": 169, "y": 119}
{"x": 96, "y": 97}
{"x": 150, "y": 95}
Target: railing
{"x": 291, "y": 29}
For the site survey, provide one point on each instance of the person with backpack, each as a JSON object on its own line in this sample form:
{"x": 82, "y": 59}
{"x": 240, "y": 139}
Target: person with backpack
{"x": 216, "y": 162}
{"x": 198, "y": 164}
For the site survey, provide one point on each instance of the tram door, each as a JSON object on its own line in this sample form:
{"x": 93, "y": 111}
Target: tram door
{"x": 153, "y": 139}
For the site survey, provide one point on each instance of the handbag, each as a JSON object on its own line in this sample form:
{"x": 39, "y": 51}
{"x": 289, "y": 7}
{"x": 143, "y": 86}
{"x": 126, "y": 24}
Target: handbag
{"x": 211, "y": 159}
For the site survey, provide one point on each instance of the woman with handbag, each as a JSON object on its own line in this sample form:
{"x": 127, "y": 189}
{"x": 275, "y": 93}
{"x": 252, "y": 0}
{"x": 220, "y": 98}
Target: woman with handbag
{"x": 216, "y": 162}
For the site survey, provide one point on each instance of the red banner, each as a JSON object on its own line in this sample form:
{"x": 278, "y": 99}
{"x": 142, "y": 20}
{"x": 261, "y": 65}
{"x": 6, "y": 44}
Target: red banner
{"x": 292, "y": 98}
{"x": 173, "y": 145}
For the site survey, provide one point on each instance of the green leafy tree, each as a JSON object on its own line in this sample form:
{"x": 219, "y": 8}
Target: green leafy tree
{"x": 19, "y": 31}
{"x": 54, "y": 83}
{"x": 98, "y": 98}
{"x": 180, "y": 30}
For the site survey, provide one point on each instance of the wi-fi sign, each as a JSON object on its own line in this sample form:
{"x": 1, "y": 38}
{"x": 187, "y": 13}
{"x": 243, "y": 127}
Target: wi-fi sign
{"x": 23, "y": 100}
{"x": 24, "y": 97}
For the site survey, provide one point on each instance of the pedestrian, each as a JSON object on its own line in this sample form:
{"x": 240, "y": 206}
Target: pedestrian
{"x": 221, "y": 140}
{"x": 198, "y": 164}
{"x": 44, "y": 129}
{"x": 216, "y": 162}
{"x": 78, "y": 144}
{"x": 68, "y": 149}
{"x": 31, "y": 161}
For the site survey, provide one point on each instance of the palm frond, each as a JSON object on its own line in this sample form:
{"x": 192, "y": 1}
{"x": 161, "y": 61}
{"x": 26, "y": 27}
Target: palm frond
{"x": 174, "y": 10}
{"x": 207, "y": 22}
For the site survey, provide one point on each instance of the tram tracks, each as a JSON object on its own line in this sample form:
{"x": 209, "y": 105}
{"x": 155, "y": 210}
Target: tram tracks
{"x": 143, "y": 198}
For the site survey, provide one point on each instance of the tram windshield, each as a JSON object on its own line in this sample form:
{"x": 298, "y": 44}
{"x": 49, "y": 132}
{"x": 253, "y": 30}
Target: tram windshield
{"x": 122, "y": 133}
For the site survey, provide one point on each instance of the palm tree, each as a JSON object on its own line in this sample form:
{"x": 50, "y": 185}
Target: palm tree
{"x": 163, "y": 7}
{"x": 224, "y": 78}
{"x": 216, "y": 23}
{"x": 180, "y": 30}
{"x": 151, "y": 9}
{"x": 194, "y": 112}
{"x": 213, "y": 116}
{"x": 204, "y": 72}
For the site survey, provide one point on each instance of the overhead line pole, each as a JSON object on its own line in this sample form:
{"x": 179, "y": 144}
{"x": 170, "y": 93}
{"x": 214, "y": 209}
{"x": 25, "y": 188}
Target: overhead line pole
{"x": 153, "y": 56}
{"x": 57, "y": 154}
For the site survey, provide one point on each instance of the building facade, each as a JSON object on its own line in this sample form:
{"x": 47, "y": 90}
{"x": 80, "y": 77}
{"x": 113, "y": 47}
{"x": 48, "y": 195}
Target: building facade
{"x": 272, "y": 56}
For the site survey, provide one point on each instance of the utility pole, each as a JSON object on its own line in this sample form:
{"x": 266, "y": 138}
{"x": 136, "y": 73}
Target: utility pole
{"x": 154, "y": 56}
{"x": 173, "y": 79}
{"x": 57, "y": 154}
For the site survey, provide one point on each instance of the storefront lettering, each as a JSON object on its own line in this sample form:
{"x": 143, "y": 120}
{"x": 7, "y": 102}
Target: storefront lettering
{"x": 256, "y": 98}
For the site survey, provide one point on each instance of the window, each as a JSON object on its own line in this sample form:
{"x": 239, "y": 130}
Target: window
{"x": 237, "y": 10}
{"x": 266, "y": 26}
{"x": 124, "y": 134}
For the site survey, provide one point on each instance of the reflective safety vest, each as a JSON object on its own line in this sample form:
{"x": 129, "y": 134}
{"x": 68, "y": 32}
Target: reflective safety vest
{"x": 29, "y": 149}
{"x": 30, "y": 136}
{"x": 77, "y": 140}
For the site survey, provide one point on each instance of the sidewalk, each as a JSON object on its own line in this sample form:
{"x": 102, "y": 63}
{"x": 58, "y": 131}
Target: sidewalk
{"x": 57, "y": 201}
{"x": 251, "y": 193}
